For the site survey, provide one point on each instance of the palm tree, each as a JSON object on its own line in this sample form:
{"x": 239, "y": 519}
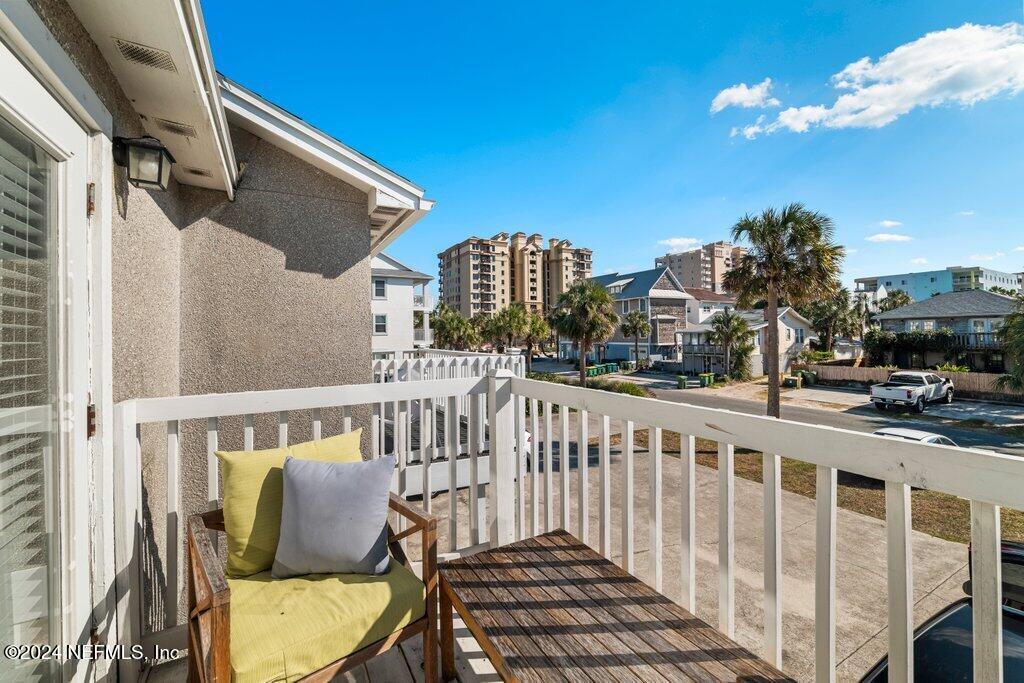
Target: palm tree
{"x": 792, "y": 257}
{"x": 513, "y": 321}
{"x": 862, "y": 313}
{"x": 832, "y": 316}
{"x": 587, "y": 317}
{"x": 537, "y": 330}
{"x": 636, "y": 325}
{"x": 1011, "y": 334}
{"x": 729, "y": 330}
{"x": 897, "y": 298}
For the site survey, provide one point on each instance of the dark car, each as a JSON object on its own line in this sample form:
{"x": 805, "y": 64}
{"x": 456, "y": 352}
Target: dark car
{"x": 943, "y": 645}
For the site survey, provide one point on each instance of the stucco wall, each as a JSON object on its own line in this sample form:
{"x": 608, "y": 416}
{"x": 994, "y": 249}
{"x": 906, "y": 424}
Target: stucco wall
{"x": 269, "y": 291}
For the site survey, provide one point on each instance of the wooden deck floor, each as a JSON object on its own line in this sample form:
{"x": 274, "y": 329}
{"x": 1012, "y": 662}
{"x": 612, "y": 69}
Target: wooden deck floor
{"x": 403, "y": 664}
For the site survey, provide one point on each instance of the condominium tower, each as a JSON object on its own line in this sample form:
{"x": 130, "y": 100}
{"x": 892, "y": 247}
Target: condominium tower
{"x": 703, "y": 267}
{"x": 482, "y": 276}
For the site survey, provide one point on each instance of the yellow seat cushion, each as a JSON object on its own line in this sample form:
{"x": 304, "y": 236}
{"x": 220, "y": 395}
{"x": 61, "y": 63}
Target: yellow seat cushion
{"x": 253, "y": 483}
{"x": 284, "y": 629}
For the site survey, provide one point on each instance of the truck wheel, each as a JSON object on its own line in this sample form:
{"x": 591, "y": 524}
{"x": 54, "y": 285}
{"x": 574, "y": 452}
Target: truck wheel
{"x": 880, "y": 407}
{"x": 919, "y": 405}
{"x": 949, "y": 396}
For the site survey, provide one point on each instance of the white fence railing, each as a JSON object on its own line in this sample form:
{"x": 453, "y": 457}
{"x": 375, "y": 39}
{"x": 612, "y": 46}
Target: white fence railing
{"x": 479, "y": 413}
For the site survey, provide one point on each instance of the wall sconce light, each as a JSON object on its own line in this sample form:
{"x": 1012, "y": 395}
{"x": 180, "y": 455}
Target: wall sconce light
{"x": 147, "y": 160}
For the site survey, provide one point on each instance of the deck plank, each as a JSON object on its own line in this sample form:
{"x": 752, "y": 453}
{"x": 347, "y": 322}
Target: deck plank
{"x": 550, "y": 608}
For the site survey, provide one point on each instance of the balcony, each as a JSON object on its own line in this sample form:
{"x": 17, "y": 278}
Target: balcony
{"x": 423, "y": 337}
{"x": 712, "y": 542}
{"x": 978, "y": 341}
{"x": 422, "y": 301}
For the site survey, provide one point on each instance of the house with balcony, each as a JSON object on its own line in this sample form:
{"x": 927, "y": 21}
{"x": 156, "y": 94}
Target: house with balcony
{"x": 205, "y": 290}
{"x": 400, "y": 304}
{"x": 974, "y": 317}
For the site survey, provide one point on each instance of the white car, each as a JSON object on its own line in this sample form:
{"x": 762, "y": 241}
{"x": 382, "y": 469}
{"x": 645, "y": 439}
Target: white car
{"x": 915, "y": 435}
{"x": 911, "y": 389}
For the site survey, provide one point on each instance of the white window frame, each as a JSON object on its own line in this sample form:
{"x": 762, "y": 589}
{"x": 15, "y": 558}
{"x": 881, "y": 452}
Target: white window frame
{"x": 376, "y": 281}
{"x": 375, "y": 332}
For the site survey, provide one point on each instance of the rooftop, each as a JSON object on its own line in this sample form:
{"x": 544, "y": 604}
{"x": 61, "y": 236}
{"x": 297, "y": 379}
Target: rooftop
{"x": 965, "y": 304}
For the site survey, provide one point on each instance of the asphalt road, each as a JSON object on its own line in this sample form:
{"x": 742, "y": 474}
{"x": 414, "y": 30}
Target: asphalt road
{"x": 860, "y": 419}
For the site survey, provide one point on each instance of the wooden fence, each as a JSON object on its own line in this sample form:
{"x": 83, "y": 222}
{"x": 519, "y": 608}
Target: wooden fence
{"x": 971, "y": 384}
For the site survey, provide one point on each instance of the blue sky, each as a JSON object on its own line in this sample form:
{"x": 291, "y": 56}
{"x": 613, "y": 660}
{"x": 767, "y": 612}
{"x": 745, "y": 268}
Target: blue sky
{"x": 593, "y": 121}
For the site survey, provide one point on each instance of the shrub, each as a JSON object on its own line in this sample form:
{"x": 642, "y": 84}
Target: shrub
{"x": 877, "y": 342}
{"x": 619, "y": 387}
{"x": 952, "y": 367}
{"x": 813, "y": 356}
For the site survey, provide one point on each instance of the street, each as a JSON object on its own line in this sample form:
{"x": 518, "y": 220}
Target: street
{"x": 862, "y": 419}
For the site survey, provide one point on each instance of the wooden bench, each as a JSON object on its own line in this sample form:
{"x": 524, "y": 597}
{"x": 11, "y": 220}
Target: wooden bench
{"x": 550, "y": 608}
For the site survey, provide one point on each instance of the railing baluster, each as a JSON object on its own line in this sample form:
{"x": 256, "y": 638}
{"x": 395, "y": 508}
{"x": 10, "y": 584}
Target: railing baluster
{"x": 476, "y": 521}
{"x": 688, "y": 523}
{"x": 771, "y": 467}
{"x": 986, "y": 591}
{"x": 899, "y": 552}
{"x": 520, "y": 427}
{"x": 248, "y": 433}
{"x": 563, "y": 464}
{"x": 605, "y": 487}
{"x": 346, "y": 421}
{"x": 654, "y": 492}
{"x": 451, "y": 438}
{"x": 627, "y": 495}
{"x": 402, "y": 455}
{"x": 173, "y": 524}
{"x": 549, "y": 495}
{"x": 825, "y": 576}
{"x": 726, "y": 541}
{"x": 317, "y": 415}
{"x": 426, "y": 445}
{"x": 582, "y": 474}
{"x": 212, "y": 479}
{"x": 534, "y": 468}
{"x": 282, "y": 429}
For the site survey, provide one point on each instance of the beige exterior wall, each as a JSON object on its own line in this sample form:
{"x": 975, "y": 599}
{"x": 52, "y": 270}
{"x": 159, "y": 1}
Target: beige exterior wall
{"x": 704, "y": 267}
{"x": 269, "y": 291}
{"x": 563, "y": 266}
{"x": 475, "y": 275}
{"x": 526, "y": 255}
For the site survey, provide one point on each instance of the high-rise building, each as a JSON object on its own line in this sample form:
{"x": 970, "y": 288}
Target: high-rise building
{"x": 704, "y": 266}
{"x": 474, "y": 276}
{"x": 564, "y": 265}
{"x": 482, "y": 276}
{"x": 526, "y": 255}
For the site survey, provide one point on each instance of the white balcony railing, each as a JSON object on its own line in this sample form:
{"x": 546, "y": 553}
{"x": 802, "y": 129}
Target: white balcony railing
{"x": 462, "y": 417}
{"x": 423, "y": 336}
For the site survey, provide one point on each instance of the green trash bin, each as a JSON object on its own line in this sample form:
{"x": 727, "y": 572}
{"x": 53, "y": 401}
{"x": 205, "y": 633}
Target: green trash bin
{"x": 613, "y": 367}
{"x": 681, "y": 381}
{"x": 707, "y": 379}
{"x": 810, "y": 377}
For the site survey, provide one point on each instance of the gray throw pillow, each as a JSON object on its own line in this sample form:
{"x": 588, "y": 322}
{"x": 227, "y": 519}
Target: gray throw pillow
{"x": 334, "y": 518}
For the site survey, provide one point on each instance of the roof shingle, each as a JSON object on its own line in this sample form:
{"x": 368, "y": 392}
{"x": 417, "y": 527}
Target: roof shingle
{"x": 967, "y": 304}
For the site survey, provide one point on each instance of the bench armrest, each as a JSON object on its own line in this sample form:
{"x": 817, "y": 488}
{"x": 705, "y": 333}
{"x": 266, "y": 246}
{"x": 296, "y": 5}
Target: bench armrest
{"x": 208, "y": 602}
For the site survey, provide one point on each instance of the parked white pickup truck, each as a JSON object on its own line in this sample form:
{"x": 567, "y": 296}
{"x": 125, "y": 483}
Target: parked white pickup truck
{"x": 911, "y": 389}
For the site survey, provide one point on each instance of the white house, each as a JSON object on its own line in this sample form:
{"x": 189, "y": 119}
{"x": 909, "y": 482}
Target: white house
{"x": 397, "y": 292}
{"x": 697, "y": 354}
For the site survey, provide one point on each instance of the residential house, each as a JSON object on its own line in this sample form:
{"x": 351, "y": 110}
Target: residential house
{"x": 974, "y": 316}
{"x": 396, "y": 304}
{"x": 250, "y": 271}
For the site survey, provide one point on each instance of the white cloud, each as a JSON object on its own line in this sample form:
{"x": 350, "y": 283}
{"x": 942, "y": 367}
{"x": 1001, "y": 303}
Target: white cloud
{"x": 919, "y": 261}
{"x": 851, "y": 250}
{"x": 742, "y": 95}
{"x": 889, "y": 224}
{"x": 749, "y": 132}
{"x": 888, "y": 237}
{"x": 965, "y": 213}
{"x": 963, "y": 66}
{"x": 679, "y": 243}
{"x": 987, "y": 257}
{"x": 1020, "y": 248}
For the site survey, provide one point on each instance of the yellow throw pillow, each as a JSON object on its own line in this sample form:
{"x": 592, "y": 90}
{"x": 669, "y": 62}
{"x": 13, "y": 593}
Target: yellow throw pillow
{"x": 253, "y": 490}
